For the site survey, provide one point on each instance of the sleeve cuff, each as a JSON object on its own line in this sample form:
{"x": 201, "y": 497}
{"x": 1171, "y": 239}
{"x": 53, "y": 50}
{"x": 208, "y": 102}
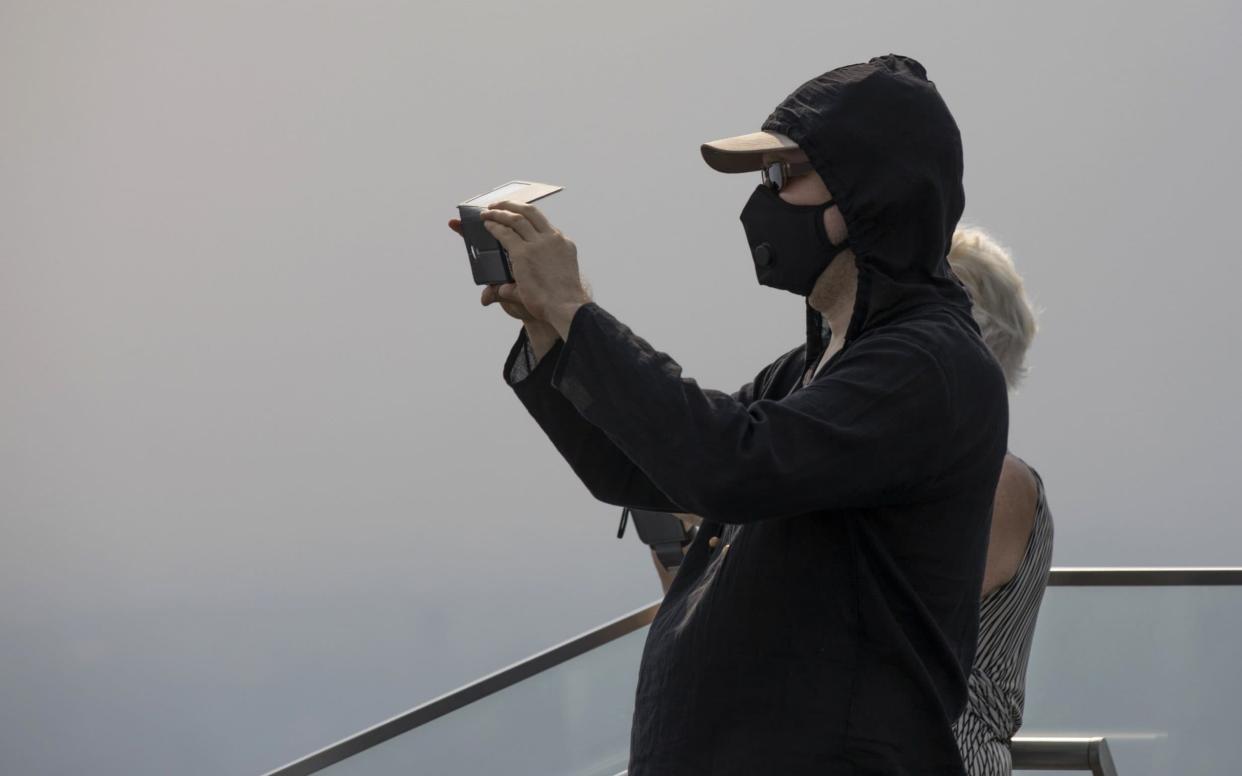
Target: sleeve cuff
{"x": 520, "y": 368}
{"x": 563, "y": 376}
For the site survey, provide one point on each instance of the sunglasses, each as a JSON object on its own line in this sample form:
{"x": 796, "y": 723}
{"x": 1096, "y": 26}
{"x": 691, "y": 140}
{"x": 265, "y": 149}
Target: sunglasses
{"x": 777, "y": 174}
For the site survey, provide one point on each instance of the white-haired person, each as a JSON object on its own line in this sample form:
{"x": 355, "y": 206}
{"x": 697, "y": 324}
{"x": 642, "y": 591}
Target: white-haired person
{"x": 1020, "y": 547}
{"x": 1020, "y": 550}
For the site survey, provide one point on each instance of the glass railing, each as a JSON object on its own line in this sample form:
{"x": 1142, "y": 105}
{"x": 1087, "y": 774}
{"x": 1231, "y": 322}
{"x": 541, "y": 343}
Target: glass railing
{"x": 563, "y": 711}
{"x": 1141, "y": 657}
{"x": 1153, "y": 670}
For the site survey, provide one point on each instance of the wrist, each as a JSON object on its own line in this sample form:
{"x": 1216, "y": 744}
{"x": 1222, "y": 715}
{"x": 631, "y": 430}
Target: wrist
{"x": 561, "y": 316}
{"x": 538, "y": 328}
{"x": 541, "y": 336}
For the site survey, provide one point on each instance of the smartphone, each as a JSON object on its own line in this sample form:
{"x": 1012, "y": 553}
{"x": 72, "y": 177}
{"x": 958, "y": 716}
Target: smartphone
{"x": 489, "y": 261}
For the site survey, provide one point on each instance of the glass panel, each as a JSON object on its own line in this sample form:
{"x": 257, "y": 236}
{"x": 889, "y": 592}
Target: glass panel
{"x": 1151, "y": 669}
{"x": 1154, "y": 670}
{"x": 571, "y": 719}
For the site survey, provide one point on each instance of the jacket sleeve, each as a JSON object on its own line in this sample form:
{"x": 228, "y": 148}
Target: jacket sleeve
{"x": 608, "y": 473}
{"x": 872, "y": 430}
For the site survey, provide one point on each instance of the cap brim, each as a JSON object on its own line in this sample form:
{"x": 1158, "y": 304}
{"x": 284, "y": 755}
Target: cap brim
{"x": 744, "y": 153}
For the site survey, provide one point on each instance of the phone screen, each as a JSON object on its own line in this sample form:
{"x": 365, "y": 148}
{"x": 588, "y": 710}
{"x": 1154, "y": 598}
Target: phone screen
{"x": 495, "y": 195}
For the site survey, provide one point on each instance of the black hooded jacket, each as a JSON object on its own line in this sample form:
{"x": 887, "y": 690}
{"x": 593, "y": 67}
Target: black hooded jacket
{"x": 836, "y": 632}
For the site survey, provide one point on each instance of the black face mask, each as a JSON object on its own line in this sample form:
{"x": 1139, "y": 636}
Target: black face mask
{"x": 787, "y": 242}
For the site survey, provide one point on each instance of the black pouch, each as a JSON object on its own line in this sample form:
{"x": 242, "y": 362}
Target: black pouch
{"x": 662, "y": 531}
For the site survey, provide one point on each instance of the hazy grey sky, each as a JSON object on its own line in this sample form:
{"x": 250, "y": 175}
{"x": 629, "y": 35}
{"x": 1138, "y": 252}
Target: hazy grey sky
{"x": 262, "y": 484}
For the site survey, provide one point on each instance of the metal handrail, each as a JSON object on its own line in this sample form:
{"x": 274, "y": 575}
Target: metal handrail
{"x": 1170, "y": 576}
{"x": 626, "y": 624}
{"x": 1062, "y": 754}
{"x": 1056, "y": 754}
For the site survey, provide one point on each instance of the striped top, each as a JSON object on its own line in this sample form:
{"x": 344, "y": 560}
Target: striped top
{"x": 997, "y": 685}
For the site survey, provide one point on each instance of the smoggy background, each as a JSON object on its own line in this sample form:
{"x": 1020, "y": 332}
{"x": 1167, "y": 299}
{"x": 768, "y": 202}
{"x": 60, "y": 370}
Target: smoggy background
{"x": 261, "y": 483}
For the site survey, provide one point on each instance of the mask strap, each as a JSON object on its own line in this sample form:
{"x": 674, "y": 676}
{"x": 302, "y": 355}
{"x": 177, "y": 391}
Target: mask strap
{"x": 836, "y": 248}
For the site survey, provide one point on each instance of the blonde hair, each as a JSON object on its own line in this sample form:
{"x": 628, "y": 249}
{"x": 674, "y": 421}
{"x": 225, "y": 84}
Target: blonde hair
{"x": 1001, "y": 308}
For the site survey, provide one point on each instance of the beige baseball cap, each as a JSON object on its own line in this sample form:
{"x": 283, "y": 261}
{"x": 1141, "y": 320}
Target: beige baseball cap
{"x": 745, "y": 153}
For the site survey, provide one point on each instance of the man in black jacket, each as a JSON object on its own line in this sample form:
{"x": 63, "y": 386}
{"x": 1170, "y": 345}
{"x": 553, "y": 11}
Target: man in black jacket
{"x": 824, "y": 619}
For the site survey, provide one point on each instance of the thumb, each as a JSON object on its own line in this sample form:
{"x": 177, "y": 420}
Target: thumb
{"x": 508, "y": 292}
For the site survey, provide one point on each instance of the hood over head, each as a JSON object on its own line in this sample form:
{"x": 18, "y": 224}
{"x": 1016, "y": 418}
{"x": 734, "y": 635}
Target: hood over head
{"x": 886, "y": 146}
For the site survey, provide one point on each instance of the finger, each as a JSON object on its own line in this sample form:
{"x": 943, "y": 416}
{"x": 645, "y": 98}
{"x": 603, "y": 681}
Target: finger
{"x": 528, "y": 211}
{"x": 489, "y": 296}
{"x": 455, "y": 224}
{"x": 507, "y": 237}
{"x": 508, "y": 292}
{"x": 514, "y": 221}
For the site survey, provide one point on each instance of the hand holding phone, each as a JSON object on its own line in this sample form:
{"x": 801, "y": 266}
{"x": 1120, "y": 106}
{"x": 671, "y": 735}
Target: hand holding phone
{"x": 491, "y": 292}
{"x": 489, "y": 262}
